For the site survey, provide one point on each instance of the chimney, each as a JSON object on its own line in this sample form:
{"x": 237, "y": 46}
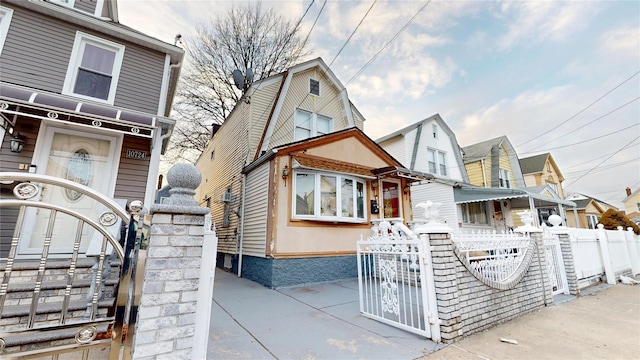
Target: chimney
{"x": 628, "y": 189}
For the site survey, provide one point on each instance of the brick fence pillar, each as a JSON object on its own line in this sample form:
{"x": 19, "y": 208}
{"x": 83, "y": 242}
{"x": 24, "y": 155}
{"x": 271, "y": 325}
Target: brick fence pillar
{"x": 167, "y": 312}
{"x": 569, "y": 263}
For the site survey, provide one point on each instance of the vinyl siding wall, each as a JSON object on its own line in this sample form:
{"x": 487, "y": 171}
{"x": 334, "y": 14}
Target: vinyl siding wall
{"x": 224, "y": 171}
{"x": 262, "y": 103}
{"x": 474, "y": 170}
{"x": 85, "y": 5}
{"x": 329, "y": 103}
{"x": 396, "y": 148}
{"x": 47, "y": 53}
{"x": 131, "y": 182}
{"x": 439, "y": 193}
{"x": 255, "y": 213}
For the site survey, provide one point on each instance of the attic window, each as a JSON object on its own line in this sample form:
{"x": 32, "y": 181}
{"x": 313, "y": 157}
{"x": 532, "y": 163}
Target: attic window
{"x": 314, "y": 87}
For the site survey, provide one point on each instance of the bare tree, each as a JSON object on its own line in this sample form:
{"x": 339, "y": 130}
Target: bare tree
{"x": 246, "y": 38}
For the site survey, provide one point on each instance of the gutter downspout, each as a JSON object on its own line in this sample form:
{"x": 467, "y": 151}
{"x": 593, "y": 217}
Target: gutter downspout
{"x": 484, "y": 173}
{"x": 244, "y": 193}
{"x": 154, "y": 165}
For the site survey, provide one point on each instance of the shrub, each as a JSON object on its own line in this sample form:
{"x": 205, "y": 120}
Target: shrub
{"x": 611, "y": 219}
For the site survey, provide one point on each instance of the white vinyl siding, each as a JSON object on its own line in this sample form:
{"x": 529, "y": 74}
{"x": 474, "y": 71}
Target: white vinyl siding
{"x": 438, "y": 193}
{"x": 94, "y": 68}
{"x": 395, "y": 147}
{"x": 5, "y": 21}
{"x": 255, "y": 213}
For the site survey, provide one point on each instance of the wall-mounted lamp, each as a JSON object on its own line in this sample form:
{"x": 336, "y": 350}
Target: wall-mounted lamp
{"x": 406, "y": 189}
{"x": 285, "y": 174}
{"x": 17, "y": 143}
{"x": 374, "y": 185}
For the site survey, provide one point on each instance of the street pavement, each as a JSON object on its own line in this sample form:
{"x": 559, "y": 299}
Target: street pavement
{"x": 323, "y": 321}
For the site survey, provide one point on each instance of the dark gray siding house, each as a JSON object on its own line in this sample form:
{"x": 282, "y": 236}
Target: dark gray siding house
{"x": 87, "y": 97}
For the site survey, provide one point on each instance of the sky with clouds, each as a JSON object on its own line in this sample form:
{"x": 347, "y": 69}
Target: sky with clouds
{"x": 558, "y": 77}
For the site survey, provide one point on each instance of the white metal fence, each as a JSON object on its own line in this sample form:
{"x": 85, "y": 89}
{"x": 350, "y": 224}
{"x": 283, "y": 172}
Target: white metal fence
{"x": 392, "y": 277}
{"x": 555, "y": 264}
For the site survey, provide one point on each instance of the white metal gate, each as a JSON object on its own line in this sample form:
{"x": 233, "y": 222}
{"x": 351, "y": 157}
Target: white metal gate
{"x": 555, "y": 265}
{"x": 392, "y": 276}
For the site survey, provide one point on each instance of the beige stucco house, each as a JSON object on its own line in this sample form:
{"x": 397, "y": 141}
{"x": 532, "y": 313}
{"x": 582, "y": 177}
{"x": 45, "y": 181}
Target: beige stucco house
{"x": 292, "y": 181}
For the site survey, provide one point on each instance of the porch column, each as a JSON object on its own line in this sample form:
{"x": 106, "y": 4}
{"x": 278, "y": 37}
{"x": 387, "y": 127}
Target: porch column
{"x": 167, "y": 316}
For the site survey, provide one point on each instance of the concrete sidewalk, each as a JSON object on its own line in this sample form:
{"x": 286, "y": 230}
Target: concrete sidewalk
{"x": 322, "y": 321}
{"x": 603, "y": 323}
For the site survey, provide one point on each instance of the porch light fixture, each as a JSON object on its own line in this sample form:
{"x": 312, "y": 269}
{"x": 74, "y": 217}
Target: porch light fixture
{"x": 17, "y": 143}
{"x": 374, "y": 185}
{"x": 406, "y": 189}
{"x": 285, "y": 174}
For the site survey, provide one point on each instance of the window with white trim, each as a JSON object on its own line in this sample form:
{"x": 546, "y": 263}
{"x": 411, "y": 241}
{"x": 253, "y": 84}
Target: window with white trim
{"x": 505, "y": 178}
{"x": 94, "y": 68}
{"x": 592, "y": 221}
{"x": 5, "y": 20}
{"x": 328, "y": 197}
{"x": 474, "y": 213}
{"x": 308, "y": 124}
{"x": 434, "y": 129}
{"x": 437, "y": 161}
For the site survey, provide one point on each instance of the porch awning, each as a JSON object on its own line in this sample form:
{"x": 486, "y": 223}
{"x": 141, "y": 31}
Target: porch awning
{"x": 34, "y": 103}
{"x": 468, "y": 194}
{"x": 395, "y": 171}
{"x": 314, "y": 162}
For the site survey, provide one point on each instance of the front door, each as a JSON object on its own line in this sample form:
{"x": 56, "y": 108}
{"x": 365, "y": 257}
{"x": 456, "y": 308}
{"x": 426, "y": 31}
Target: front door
{"x": 84, "y": 158}
{"x": 391, "y": 199}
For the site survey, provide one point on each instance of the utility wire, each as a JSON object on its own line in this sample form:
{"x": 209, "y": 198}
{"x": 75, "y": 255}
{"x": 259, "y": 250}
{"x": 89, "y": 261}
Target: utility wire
{"x": 602, "y": 168}
{"x": 581, "y": 111}
{"x": 602, "y": 162}
{"x": 315, "y": 21}
{"x": 585, "y": 141}
{"x": 388, "y": 43}
{"x": 354, "y": 31}
{"x": 600, "y": 157}
{"x": 589, "y": 123}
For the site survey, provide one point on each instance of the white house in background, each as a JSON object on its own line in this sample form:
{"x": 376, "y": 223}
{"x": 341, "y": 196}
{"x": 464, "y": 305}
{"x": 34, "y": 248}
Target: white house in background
{"x": 430, "y": 146}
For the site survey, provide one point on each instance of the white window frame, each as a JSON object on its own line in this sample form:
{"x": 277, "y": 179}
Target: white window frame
{"x": 466, "y": 215}
{"x": 76, "y": 59}
{"x": 505, "y": 178}
{"x": 7, "y": 14}
{"x": 313, "y": 122}
{"x": 592, "y": 221}
{"x": 436, "y": 154}
{"x": 317, "y": 197}
{"x": 434, "y": 129}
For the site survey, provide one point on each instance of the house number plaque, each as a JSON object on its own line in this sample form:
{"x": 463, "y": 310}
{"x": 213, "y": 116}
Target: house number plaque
{"x": 136, "y": 154}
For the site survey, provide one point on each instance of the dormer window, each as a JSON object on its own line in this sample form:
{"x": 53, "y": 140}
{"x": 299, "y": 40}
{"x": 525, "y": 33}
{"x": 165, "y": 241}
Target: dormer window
{"x": 314, "y": 87}
{"x": 94, "y": 68}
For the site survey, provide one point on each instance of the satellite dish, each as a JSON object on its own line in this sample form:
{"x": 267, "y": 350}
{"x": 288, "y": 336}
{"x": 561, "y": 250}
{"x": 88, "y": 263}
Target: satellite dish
{"x": 238, "y": 79}
{"x": 249, "y": 76}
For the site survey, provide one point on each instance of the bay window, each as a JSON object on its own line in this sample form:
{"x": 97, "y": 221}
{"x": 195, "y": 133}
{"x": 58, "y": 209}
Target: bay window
{"x": 329, "y": 197}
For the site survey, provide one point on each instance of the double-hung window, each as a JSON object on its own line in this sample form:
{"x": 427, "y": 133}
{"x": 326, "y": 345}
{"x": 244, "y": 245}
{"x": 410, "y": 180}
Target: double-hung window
{"x": 5, "y": 20}
{"x": 328, "y": 197}
{"x": 437, "y": 161}
{"x": 592, "y": 221}
{"x": 505, "y": 178}
{"x": 94, "y": 68}
{"x": 474, "y": 213}
{"x": 308, "y": 124}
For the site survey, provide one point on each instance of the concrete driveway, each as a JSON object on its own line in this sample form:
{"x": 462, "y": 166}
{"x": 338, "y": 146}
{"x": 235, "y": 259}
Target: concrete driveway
{"x": 322, "y": 321}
